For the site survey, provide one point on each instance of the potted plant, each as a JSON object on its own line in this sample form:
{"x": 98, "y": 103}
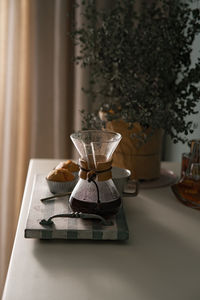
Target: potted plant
{"x": 141, "y": 76}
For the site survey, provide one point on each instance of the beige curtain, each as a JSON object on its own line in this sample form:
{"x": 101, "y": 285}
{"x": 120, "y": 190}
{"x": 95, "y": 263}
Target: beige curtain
{"x": 40, "y": 99}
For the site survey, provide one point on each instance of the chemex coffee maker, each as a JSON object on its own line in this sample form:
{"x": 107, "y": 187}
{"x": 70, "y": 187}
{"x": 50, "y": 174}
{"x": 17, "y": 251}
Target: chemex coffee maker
{"x": 95, "y": 191}
{"x": 95, "y": 195}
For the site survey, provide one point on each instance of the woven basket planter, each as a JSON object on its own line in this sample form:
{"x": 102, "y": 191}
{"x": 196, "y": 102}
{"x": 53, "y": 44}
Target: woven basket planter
{"x": 143, "y": 159}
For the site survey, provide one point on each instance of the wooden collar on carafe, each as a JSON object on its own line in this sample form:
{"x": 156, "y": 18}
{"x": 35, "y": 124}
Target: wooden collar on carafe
{"x": 103, "y": 170}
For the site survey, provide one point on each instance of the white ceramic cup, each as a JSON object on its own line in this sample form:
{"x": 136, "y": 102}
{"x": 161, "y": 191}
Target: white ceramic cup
{"x": 120, "y": 178}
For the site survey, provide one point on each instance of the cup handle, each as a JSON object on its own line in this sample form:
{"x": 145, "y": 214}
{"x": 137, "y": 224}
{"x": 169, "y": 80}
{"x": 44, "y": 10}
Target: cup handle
{"x": 133, "y": 194}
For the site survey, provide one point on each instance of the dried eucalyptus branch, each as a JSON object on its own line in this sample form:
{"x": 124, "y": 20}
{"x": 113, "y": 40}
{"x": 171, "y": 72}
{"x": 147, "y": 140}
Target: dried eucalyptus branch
{"x": 140, "y": 63}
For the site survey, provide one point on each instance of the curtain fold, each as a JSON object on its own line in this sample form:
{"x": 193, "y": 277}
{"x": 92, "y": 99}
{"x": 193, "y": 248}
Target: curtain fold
{"x": 39, "y": 106}
{"x": 10, "y": 142}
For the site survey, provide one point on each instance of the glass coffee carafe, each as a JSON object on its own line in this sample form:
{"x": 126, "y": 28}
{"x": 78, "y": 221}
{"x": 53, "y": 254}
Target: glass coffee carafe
{"x": 95, "y": 191}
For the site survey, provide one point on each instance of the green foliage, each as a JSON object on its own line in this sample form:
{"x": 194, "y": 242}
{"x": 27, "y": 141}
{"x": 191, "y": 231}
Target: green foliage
{"x": 140, "y": 63}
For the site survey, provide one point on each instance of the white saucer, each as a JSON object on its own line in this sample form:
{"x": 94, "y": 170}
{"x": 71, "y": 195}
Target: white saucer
{"x": 167, "y": 178}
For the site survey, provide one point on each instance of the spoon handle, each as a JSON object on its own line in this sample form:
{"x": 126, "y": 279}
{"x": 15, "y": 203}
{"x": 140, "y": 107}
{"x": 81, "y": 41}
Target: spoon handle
{"x": 55, "y": 196}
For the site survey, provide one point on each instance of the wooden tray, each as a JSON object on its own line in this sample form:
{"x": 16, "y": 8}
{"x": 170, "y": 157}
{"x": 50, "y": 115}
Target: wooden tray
{"x": 67, "y": 228}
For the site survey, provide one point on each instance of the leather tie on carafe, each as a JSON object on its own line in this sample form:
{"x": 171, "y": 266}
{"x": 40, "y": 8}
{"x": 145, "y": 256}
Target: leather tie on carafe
{"x": 102, "y": 172}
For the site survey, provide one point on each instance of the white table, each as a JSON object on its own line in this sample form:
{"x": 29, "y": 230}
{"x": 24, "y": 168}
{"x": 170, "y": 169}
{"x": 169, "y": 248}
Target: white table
{"x": 161, "y": 260}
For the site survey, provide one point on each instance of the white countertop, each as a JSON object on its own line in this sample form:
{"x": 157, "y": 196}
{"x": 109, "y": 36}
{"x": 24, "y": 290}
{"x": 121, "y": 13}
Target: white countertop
{"x": 161, "y": 260}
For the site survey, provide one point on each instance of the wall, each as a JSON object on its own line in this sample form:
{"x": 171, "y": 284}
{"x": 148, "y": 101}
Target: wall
{"x": 172, "y": 152}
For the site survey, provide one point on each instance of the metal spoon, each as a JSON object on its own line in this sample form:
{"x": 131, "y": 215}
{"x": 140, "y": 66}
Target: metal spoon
{"x": 55, "y": 196}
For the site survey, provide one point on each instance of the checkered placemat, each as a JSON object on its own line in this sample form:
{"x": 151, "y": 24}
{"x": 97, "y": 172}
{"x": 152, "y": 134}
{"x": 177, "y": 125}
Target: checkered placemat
{"x": 67, "y": 228}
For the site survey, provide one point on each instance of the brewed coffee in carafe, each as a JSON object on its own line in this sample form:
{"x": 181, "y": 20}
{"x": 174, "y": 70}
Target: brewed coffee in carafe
{"x": 95, "y": 191}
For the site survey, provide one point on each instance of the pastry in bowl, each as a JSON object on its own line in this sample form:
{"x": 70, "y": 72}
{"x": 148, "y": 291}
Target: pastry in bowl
{"x": 68, "y": 165}
{"x": 61, "y": 181}
{"x": 60, "y": 175}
